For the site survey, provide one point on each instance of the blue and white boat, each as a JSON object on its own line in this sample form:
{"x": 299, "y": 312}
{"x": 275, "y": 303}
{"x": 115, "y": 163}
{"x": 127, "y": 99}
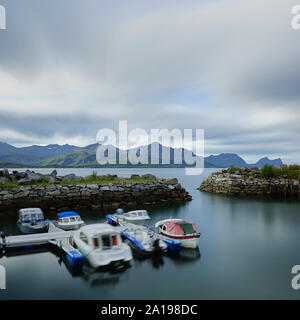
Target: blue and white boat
{"x": 138, "y": 217}
{"x": 141, "y": 237}
{"x": 69, "y": 220}
{"x": 144, "y": 239}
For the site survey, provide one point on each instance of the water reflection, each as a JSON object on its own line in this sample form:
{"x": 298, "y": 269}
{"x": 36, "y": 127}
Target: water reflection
{"x": 75, "y": 271}
{"x": 95, "y": 278}
{"x": 184, "y": 255}
{"x": 252, "y": 241}
{"x": 157, "y": 261}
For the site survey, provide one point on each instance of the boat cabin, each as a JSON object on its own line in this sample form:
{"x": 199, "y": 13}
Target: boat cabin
{"x": 178, "y": 227}
{"x": 104, "y": 239}
{"x": 68, "y": 217}
{"x": 136, "y": 213}
{"x": 31, "y": 214}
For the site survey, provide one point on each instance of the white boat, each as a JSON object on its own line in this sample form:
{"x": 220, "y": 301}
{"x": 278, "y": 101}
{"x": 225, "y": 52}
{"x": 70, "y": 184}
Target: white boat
{"x": 144, "y": 239}
{"x": 68, "y": 220}
{"x": 31, "y": 220}
{"x": 136, "y": 217}
{"x": 178, "y": 229}
{"x": 102, "y": 245}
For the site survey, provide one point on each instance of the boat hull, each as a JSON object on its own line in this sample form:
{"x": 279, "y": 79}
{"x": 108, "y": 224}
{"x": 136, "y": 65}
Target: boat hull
{"x": 139, "y": 246}
{"x": 69, "y": 226}
{"x": 186, "y": 241}
{"x": 102, "y": 259}
{"x": 28, "y": 229}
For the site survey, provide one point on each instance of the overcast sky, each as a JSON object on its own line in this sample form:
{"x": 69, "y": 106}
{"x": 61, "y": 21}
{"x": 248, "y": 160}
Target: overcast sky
{"x": 71, "y": 67}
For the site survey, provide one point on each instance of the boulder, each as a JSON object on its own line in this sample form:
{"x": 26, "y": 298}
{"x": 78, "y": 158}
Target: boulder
{"x": 5, "y": 173}
{"x": 4, "y": 180}
{"x": 24, "y": 181}
{"x": 33, "y": 177}
{"x": 105, "y": 188}
{"x": 52, "y": 179}
{"x": 135, "y": 176}
{"x": 72, "y": 177}
{"x": 20, "y": 175}
{"x": 111, "y": 176}
{"x": 148, "y": 176}
{"x": 173, "y": 181}
{"x": 53, "y": 174}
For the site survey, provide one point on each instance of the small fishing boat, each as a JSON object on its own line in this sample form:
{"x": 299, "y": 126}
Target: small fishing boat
{"x": 31, "y": 220}
{"x": 102, "y": 245}
{"x": 144, "y": 239}
{"x": 177, "y": 229}
{"x": 68, "y": 220}
{"x": 136, "y": 217}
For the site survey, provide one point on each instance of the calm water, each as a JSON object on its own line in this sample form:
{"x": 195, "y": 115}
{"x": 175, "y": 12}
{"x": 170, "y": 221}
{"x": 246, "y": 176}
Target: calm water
{"x": 247, "y": 250}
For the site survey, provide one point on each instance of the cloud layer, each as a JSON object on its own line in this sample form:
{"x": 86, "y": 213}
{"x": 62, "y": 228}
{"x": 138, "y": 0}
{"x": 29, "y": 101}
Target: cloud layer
{"x": 69, "y": 68}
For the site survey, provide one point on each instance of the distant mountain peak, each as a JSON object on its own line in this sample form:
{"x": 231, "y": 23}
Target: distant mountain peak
{"x": 72, "y": 156}
{"x": 265, "y": 160}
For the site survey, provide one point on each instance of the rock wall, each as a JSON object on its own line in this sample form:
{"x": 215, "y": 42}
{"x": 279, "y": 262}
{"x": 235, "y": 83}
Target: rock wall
{"x": 248, "y": 182}
{"x": 74, "y": 196}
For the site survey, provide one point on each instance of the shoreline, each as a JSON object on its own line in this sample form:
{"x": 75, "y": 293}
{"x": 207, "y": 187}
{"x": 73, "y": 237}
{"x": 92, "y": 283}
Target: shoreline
{"x": 249, "y": 182}
{"x": 73, "y": 192}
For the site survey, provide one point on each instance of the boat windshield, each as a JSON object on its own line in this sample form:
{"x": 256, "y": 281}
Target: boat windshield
{"x": 106, "y": 241}
{"x": 25, "y": 218}
{"x": 136, "y": 214}
{"x": 32, "y": 217}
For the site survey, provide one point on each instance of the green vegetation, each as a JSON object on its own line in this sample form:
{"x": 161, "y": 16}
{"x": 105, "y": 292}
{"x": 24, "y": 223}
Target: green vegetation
{"x": 92, "y": 179}
{"x": 285, "y": 171}
{"x": 232, "y": 169}
{"x": 267, "y": 171}
{"x": 291, "y": 171}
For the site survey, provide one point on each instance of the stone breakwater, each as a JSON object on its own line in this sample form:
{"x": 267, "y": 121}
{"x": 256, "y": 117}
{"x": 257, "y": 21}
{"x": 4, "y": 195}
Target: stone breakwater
{"x": 248, "y": 182}
{"x": 72, "y": 196}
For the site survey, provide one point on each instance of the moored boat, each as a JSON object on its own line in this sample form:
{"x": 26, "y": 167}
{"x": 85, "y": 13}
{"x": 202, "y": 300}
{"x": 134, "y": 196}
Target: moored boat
{"x": 69, "y": 220}
{"x": 178, "y": 229}
{"x": 102, "y": 245}
{"x": 144, "y": 239}
{"x": 31, "y": 220}
{"x": 136, "y": 217}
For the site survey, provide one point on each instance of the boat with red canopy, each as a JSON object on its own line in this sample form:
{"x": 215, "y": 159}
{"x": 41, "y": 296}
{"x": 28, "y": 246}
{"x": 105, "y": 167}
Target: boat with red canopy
{"x": 178, "y": 229}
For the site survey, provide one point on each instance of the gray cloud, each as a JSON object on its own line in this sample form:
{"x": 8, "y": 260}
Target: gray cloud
{"x": 69, "y": 68}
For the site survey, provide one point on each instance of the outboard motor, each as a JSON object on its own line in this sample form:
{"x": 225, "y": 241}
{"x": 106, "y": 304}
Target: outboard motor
{"x": 156, "y": 245}
{"x": 3, "y": 237}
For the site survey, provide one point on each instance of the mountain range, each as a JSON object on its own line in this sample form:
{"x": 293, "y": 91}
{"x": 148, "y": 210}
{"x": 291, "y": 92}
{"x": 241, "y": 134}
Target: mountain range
{"x": 55, "y": 155}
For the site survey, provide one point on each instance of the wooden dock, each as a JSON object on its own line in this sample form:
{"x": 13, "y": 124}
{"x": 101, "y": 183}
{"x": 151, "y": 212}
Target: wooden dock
{"x": 55, "y": 236}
